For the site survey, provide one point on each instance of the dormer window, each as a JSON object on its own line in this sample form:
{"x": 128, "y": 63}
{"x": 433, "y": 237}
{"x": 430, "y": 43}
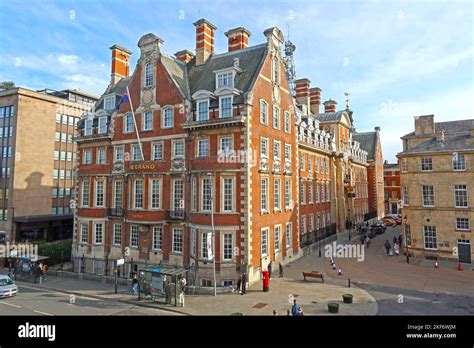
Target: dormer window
{"x": 203, "y": 110}
{"x": 88, "y": 127}
{"x": 149, "y": 75}
{"x": 109, "y": 102}
{"x": 225, "y": 79}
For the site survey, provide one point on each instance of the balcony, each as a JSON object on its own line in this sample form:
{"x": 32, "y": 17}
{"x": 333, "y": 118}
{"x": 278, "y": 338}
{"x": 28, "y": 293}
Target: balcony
{"x": 214, "y": 122}
{"x": 115, "y": 212}
{"x": 174, "y": 215}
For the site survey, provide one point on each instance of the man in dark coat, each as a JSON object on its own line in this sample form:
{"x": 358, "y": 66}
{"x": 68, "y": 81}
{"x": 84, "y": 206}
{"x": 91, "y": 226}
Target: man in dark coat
{"x": 244, "y": 282}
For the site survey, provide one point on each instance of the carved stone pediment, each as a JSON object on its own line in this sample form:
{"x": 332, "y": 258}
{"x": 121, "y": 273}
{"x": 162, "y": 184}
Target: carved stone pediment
{"x": 287, "y": 168}
{"x": 177, "y": 164}
{"x": 118, "y": 168}
{"x": 263, "y": 165}
{"x": 277, "y": 167}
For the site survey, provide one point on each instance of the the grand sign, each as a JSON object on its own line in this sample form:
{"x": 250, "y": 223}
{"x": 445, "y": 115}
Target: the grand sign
{"x": 142, "y": 166}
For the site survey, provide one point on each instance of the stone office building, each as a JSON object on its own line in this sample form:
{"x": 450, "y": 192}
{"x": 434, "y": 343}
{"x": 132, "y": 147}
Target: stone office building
{"x": 437, "y": 179}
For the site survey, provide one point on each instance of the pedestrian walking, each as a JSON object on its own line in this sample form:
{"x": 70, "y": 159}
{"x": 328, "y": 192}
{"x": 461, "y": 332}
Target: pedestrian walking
{"x": 295, "y": 309}
{"x": 135, "y": 284}
{"x": 288, "y": 313}
{"x": 362, "y": 239}
{"x": 269, "y": 268}
{"x": 387, "y": 246}
{"x": 239, "y": 283}
{"x": 367, "y": 242}
{"x": 396, "y": 248}
{"x": 275, "y": 313}
{"x": 395, "y": 240}
{"x": 36, "y": 272}
{"x": 280, "y": 268}
{"x": 400, "y": 240}
{"x": 244, "y": 283}
{"x": 43, "y": 270}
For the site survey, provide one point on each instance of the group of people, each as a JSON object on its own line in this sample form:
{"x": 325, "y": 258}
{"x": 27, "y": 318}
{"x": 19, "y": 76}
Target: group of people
{"x": 393, "y": 249}
{"x": 295, "y": 311}
{"x": 37, "y": 270}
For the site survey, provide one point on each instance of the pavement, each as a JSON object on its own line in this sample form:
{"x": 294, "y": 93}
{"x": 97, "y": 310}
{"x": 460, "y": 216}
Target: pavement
{"x": 311, "y": 295}
{"x": 393, "y": 271}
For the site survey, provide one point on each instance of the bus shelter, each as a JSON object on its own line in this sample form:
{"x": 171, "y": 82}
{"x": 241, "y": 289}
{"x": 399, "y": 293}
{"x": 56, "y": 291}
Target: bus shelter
{"x": 25, "y": 268}
{"x": 161, "y": 283}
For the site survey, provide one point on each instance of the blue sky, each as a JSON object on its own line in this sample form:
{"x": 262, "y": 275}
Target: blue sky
{"x": 397, "y": 59}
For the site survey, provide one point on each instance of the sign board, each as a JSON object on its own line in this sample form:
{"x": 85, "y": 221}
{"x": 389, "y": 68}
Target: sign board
{"x": 120, "y": 262}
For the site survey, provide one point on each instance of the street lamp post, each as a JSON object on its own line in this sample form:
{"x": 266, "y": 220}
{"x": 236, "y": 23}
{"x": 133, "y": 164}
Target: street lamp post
{"x": 406, "y": 238}
{"x": 213, "y": 232}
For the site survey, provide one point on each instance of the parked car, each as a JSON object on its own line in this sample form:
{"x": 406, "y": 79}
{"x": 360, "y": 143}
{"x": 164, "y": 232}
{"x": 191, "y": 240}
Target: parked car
{"x": 396, "y": 217}
{"x": 388, "y": 221}
{"x": 379, "y": 227}
{"x": 7, "y": 287}
{"x": 368, "y": 231}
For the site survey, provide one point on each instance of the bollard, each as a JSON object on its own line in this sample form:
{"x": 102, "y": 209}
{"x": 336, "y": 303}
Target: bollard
{"x": 349, "y": 282}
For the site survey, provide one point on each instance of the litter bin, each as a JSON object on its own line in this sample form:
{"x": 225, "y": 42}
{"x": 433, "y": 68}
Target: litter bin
{"x": 266, "y": 281}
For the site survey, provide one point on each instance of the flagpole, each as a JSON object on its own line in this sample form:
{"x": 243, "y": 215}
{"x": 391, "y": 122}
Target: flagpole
{"x": 135, "y": 123}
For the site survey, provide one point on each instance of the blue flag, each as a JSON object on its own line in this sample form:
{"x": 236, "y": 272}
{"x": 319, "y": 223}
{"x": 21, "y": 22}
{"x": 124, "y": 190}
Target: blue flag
{"x": 122, "y": 100}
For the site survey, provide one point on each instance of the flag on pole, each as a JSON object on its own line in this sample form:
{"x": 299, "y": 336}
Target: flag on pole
{"x": 122, "y": 100}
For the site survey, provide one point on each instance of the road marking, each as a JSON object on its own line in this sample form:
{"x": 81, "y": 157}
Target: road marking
{"x": 9, "y": 304}
{"x": 34, "y": 310}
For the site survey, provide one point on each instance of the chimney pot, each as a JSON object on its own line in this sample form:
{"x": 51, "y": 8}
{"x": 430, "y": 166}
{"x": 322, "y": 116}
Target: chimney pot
{"x": 238, "y": 38}
{"x": 440, "y": 135}
{"x": 204, "y": 40}
{"x": 377, "y": 129}
{"x": 120, "y": 63}
{"x": 184, "y": 56}
{"x": 330, "y": 105}
{"x": 302, "y": 92}
{"x": 315, "y": 100}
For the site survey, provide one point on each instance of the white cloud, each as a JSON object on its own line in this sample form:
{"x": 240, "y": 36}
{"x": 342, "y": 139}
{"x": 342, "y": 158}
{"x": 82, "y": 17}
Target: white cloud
{"x": 70, "y": 59}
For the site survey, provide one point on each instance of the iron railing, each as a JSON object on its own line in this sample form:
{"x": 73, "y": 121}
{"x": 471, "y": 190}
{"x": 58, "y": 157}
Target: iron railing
{"x": 317, "y": 235}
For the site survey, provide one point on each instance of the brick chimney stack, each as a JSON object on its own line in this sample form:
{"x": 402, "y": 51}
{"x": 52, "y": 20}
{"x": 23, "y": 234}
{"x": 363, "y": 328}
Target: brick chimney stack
{"x": 330, "y": 105}
{"x": 302, "y": 92}
{"x": 184, "y": 56}
{"x": 120, "y": 63}
{"x": 238, "y": 38}
{"x": 315, "y": 100}
{"x": 204, "y": 40}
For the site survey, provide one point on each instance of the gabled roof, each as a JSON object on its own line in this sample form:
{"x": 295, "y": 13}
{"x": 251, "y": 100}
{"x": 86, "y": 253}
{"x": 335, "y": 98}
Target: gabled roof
{"x": 368, "y": 142}
{"x": 178, "y": 73}
{"x": 250, "y": 61}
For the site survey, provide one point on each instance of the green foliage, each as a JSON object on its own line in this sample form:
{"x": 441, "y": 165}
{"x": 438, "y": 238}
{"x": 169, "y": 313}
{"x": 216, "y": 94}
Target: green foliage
{"x": 347, "y": 298}
{"x": 58, "y": 251}
{"x": 7, "y": 84}
{"x": 333, "y": 307}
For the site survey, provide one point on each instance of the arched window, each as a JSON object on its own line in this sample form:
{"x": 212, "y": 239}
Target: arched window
{"x": 276, "y": 70}
{"x": 149, "y": 75}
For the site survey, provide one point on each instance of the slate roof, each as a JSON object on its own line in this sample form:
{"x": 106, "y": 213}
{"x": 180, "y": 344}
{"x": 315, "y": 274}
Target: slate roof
{"x": 330, "y": 116}
{"x": 118, "y": 89}
{"x": 391, "y": 166}
{"x": 178, "y": 73}
{"x": 368, "y": 142}
{"x": 456, "y": 138}
{"x": 250, "y": 61}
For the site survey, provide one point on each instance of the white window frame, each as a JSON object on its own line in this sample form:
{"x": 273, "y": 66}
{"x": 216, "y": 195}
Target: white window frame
{"x": 206, "y": 197}
{"x": 221, "y": 109}
{"x": 458, "y": 190}
{"x": 405, "y": 196}
{"x": 173, "y": 144}
{"x": 152, "y": 193}
{"x": 264, "y": 195}
{"x": 86, "y": 156}
{"x": 178, "y": 203}
{"x": 96, "y": 190}
{"x": 102, "y": 126}
{"x": 225, "y": 246}
{"x": 100, "y": 151}
{"x": 176, "y": 232}
{"x": 430, "y": 229}
{"x": 225, "y": 152}
{"x": 84, "y": 233}
{"x": 224, "y": 199}
{"x": 264, "y": 150}
{"x": 426, "y": 161}
{"x": 134, "y": 232}
{"x": 116, "y": 153}
{"x": 136, "y": 152}
{"x": 109, "y": 102}
{"x": 117, "y": 233}
{"x": 97, "y": 224}
{"x": 202, "y": 115}
{"x": 157, "y": 242}
{"x": 404, "y": 165}
{"x": 264, "y": 241}
{"x": 154, "y": 146}
{"x": 287, "y": 122}
{"x": 144, "y": 118}
{"x": 458, "y": 224}
{"x": 288, "y": 228}
{"x": 288, "y": 153}
{"x": 277, "y": 238}
{"x": 135, "y": 182}
{"x": 164, "y": 112}
{"x": 116, "y": 194}
{"x": 223, "y": 76}
{"x": 149, "y": 75}
{"x": 88, "y": 124}
{"x": 277, "y": 194}
{"x": 423, "y": 196}
{"x": 288, "y": 190}
{"x": 457, "y": 167}
{"x": 303, "y": 224}
{"x": 263, "y": 114}
{"x": 85, "y": 183}
{"x": 277, "y": 149}
{"x": 127, "y": 117}
{"x": 276, "y": 118}
{"x": 198, "y": 147}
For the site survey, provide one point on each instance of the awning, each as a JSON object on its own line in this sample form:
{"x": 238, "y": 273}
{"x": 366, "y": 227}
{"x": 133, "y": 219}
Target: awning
{"x": 42, "y": 218}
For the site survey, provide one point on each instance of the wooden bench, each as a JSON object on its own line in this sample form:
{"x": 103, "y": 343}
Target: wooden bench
{"x": 313, "y": 274}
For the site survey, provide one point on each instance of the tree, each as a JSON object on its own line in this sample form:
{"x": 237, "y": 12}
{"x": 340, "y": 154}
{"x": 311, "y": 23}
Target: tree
{"x": 7, "y": 85}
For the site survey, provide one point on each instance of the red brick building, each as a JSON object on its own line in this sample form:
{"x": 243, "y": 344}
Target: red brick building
{"x": 392, "y": 196}
{"x": 217, "y": 145}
